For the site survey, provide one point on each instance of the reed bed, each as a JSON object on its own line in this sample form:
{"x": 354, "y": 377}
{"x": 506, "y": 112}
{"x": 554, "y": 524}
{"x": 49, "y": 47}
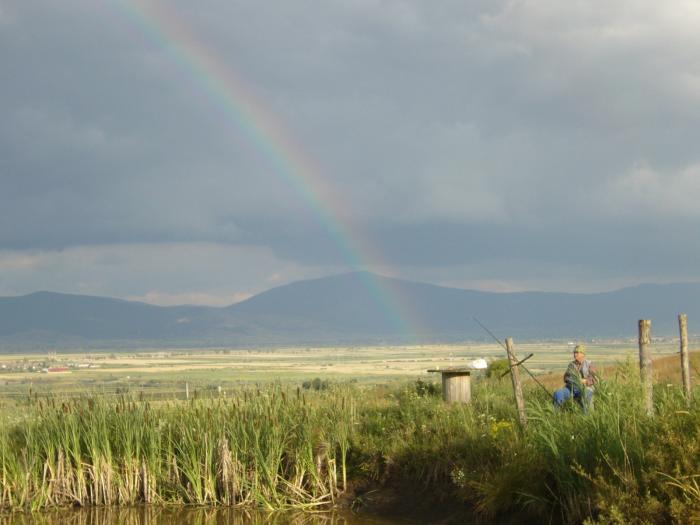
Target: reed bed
{"x": 280, "y": 447}
{"x": 269, "y": 449}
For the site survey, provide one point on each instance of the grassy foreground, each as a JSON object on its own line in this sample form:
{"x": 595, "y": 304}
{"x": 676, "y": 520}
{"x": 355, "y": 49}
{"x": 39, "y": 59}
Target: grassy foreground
{"x": 284, "y": 447}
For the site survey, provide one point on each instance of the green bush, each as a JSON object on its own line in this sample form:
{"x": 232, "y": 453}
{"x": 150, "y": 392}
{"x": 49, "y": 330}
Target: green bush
{"x": 315, "y": 384}
{"x": 426, "y": 388}
{"x": 497, "y": 368}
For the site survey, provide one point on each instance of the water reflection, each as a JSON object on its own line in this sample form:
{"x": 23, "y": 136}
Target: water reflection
{"x": 187, "y": 515}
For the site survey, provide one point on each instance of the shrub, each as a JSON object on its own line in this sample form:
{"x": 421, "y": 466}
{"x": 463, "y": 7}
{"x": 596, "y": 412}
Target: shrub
{"x": 315, "y": 384}
{"x": 426, "y": 388}
{"x": 497, "y": 368}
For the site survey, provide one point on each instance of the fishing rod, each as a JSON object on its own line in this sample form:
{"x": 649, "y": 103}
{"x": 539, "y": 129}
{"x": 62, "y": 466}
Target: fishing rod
{"x": 520, "y": 363}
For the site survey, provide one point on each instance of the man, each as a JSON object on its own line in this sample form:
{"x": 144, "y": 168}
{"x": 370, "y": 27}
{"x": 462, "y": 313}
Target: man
{"x": 579, "y": 379}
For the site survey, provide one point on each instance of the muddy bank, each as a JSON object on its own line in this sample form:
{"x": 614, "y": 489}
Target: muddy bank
{"x": 409, "y": 503}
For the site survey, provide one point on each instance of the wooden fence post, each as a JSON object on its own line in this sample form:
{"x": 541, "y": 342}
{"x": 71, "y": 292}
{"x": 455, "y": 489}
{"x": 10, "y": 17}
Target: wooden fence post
{"x": 515, "y": 377}
{"x": 685, "y": 358}
{"x": 645, "y": 369}
{"x": 187, "y": 390}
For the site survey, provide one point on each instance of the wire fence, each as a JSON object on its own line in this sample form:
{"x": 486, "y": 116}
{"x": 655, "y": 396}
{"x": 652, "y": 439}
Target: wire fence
{"x": 141, "y": 392}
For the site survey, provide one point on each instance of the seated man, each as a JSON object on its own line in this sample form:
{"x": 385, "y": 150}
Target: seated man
{"x": 579, "y": 379}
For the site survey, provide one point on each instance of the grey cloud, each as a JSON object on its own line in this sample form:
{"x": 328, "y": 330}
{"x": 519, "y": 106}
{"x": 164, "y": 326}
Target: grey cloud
{"x": 162, "y": 270}
{"x": 485, "y": 135}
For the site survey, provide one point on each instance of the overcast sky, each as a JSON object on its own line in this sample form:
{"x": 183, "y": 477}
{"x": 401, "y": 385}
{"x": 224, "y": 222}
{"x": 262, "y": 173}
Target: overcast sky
{"x": 498, "y": 145}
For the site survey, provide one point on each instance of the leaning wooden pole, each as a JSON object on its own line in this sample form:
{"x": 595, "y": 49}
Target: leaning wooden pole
{"x": 515, "y": 378}
{"x": 685, "y": 358}
{"x": 645, "y": 369}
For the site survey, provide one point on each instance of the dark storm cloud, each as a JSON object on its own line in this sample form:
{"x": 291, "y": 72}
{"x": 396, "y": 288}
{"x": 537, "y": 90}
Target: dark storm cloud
{"x": 454, "y": 134}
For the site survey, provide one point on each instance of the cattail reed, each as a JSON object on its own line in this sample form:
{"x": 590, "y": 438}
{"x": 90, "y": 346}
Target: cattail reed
{"x": 241, "y": 450}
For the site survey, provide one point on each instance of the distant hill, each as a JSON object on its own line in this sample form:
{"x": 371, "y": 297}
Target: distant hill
{"x": 351, "y": 308}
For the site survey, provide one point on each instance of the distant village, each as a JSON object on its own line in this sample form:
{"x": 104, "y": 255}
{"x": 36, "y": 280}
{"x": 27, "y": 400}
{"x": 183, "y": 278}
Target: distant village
{"x": 49, "y": 365}
{"x": 53, "y": 364}
{"x": 44, "y": 367}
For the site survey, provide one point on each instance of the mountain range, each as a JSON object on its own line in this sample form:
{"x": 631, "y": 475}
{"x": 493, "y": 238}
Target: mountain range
{"x": 354, "y": 308}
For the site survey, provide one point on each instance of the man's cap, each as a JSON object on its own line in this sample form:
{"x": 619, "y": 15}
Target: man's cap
{"x": 580, "y": 349}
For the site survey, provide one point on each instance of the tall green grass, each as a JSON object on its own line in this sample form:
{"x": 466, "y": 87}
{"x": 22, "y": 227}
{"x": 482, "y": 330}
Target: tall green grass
{"x": 270, "y": 449}
{"x": 612, "y": 465}
{"x": 281, "y": 447}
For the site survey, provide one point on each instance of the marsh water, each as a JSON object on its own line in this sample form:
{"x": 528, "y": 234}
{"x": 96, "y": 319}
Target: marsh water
{"x": 189, "y": 515}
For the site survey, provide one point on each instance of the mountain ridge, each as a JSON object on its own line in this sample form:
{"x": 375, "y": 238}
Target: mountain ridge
{"x": 357, "y": 307}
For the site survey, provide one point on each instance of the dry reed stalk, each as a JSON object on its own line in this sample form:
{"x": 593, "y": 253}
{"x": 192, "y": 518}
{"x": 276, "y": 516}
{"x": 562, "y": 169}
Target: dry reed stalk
{"x": 332, "y": 479}
{"x": 60, "y": 475}
{"x": 107, "y": 474}
{"x": 131, "y": 482}
{"x": 100, "y": 488}
{"x": 174, "y": 472}
{"x": 145, "y": 483}
{"x": 47, "y": 481}
{"x": 225, "y": 474}
{"x": 321, "y": 458}
{"x": 93, "y": 491}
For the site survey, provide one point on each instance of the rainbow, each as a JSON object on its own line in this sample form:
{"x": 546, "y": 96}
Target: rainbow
{"x": 245, "y": 114}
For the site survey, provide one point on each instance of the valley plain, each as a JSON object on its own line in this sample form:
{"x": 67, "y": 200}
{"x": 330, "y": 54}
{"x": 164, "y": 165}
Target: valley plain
{"x": 169, "y": 373}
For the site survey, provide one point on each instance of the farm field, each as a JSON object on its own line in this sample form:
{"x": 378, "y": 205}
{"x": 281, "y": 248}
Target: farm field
{"x": 172, "y": 372}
